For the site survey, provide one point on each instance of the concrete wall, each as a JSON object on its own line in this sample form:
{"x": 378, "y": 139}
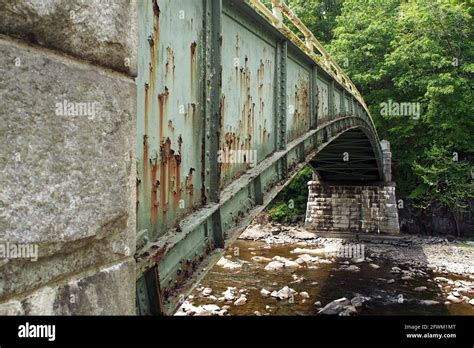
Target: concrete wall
{"x": 351, "y": 208}
{"x": 67, "y": 134}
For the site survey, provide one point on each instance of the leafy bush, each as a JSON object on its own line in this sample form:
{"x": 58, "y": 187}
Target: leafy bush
{"x": 290, "y": 204}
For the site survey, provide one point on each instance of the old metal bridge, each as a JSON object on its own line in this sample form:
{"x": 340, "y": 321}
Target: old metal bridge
{"x": 231, "y": 104}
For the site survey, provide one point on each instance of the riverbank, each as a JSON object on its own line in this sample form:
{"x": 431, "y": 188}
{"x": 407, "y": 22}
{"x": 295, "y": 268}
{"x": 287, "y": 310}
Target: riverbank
{"x": 280, "y": 270}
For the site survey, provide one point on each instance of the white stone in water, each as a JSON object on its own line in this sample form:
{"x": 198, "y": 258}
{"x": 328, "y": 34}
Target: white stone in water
{"x": 317, "y": 303}
{"x": 304, "y": 294}
{"x": 428, "y": 302}
{"x": 229, "y": 294}
{"x": 319, "y": 251}
{"x": 348, "y": 310}
{"x": 265, "y": 292}
{"x": 358, "y": 260}
{"x": 228, "y": 264}
{"x": 390, "y": 281}
{"x": 471, "y": 301}
{"x": 335, "y": 307}
{"x": 286, "y": 262}
{"x": 284, "y": 293}
{"x": 200, "y": 311}
{"x": 453, "y": 299}
{"x": 421, "y": 288}
{"x": 374, "y": 266}
{"x": 240, "y": 301}
{"x": 395, "y": 270}
{"x": 206, "y": 292}
{"x": 257, "y": 313}
{"x": 351, "y": 268}
{"x": 357, "y": 301}
{"x": 400, "y": 299}
{"x": 260, "y": 259}
{"x": 211, "y": 308}
{"x": 274, "y": 266}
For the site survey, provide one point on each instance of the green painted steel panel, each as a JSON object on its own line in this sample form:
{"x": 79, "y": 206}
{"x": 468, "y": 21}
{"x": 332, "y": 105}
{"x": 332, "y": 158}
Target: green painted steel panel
{"x": 323, "y": 101}
{"x": 170, "y": 105}
{"x": 247, "y": 101}
{"x": 337, "y": 102}
{"x": 298, "y": 99}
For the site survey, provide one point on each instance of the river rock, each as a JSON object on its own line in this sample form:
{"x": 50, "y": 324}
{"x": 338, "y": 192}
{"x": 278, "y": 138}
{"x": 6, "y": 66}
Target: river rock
{"x": 335, "y": 307}
{"x": 374, "y": 266}
{"x": 358, "y": 260}
{"x": 428, "y": 302}
{"x": 357, "y": 301}
{"x": 471, "y": 301}
{"x": 348, "y": 310}
{"x": 304, "y": 294}
{"x": 274, "y": 266}
{"x": 229, "y": 294}
{"x": 206, "y": 292}
{"x": 390, "y": 281}
{"x": 260, "y": 259}
{"x": 396, "y": 270}
{"x": 318, "y": 304}
{"x": 420, "y": 288}
{"x": 284, "y": 293}
{"x": 265, "y": 292}
{"x": 228, "y": 264}
{"x": 286, "y": 262}
{"x": 240, "y": 301}
{"x": 214, "y": 309}
{"x": 453, "y": 298}
{"x": 351, "y": 268}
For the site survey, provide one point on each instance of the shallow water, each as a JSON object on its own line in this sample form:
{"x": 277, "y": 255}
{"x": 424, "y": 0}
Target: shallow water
{"x": 323, "y": 283}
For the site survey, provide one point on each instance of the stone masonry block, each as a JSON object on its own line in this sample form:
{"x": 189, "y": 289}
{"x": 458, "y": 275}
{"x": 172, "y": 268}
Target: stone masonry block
{"x": 103, "y": 32}
{"x": 67, "y": 164}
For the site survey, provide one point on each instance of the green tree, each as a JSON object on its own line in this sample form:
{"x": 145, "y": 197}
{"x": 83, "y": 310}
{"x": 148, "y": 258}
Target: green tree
{"x": 414, "y": 52}
{"x": 445, "y": 182}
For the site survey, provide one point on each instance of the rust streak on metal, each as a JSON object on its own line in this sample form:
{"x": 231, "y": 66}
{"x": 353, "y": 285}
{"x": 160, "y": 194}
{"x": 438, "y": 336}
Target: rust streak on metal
{"x": 145, "y": 163}
{"x": 154, "y": 201}
{"x": 193, "y": 66}
{"x": 189, "y": 187}
{"x": 162, "y": 102}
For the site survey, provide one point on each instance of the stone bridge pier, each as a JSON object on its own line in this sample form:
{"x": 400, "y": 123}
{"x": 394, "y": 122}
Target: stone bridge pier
{"x": 357, "y": 206}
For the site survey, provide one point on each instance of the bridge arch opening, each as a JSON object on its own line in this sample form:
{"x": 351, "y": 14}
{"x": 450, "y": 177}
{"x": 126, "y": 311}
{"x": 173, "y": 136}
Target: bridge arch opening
{"x": 351, "y": 157}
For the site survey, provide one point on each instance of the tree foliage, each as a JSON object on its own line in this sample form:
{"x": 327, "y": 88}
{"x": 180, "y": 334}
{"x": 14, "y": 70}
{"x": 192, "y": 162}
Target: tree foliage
{"x": 416, "y": 52}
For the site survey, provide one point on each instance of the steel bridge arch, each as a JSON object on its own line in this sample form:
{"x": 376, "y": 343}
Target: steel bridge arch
{"x": 188, "y": 92}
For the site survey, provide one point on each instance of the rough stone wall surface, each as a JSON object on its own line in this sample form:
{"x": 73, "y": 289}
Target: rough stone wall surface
{"x": 352, "y": 208}
{"x": 67, "y": 183}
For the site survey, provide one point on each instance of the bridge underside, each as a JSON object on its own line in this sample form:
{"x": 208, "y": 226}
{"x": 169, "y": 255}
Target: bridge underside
{"x": 350, "y": 157}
